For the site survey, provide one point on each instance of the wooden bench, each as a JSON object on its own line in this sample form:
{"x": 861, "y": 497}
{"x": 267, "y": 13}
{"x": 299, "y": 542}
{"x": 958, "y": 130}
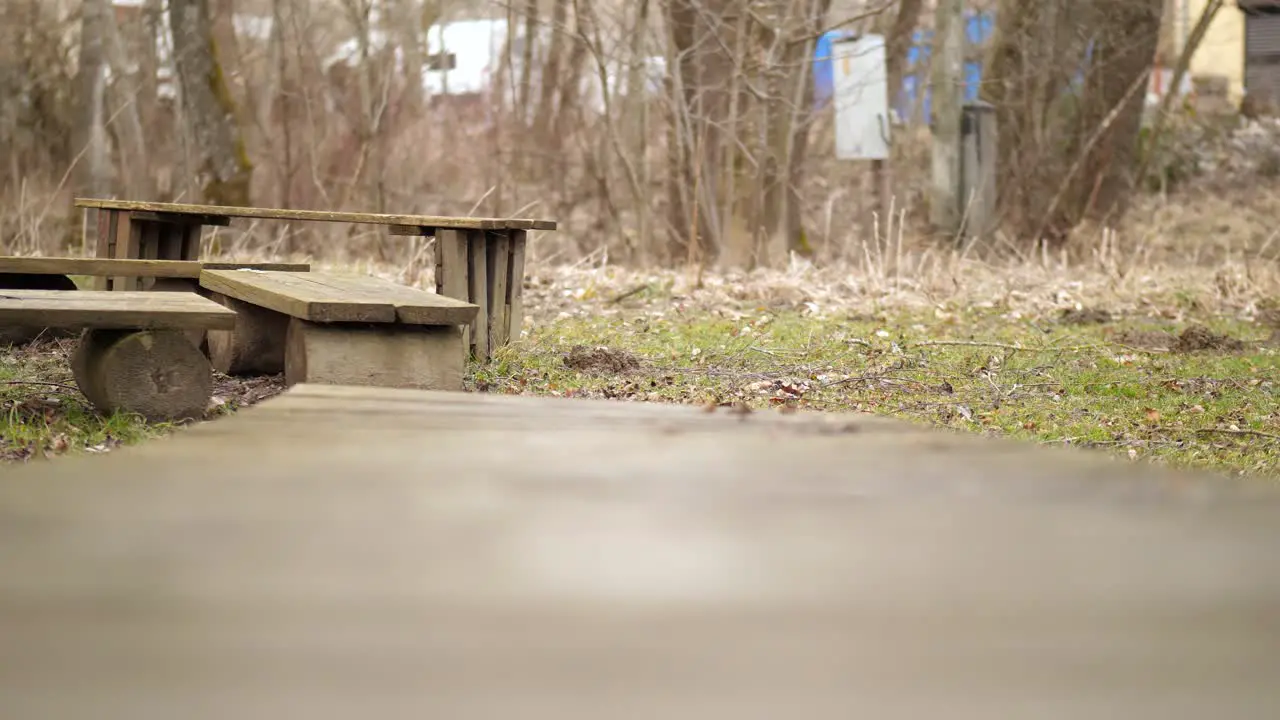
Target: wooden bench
{"x": 141, "y": 269}
{"x": 337, "y": 329}
{"x": 477, "y": 260}
{"x": 54, "y": 273}
{"x": 135, "y": 354}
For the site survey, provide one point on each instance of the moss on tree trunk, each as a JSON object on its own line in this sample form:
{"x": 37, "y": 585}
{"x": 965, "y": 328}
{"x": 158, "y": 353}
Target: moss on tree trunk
{"x": 223, "y": 167}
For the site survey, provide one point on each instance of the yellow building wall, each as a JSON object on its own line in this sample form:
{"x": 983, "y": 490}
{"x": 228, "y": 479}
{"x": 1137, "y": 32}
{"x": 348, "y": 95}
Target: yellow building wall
{"x": 1222, "y": 51}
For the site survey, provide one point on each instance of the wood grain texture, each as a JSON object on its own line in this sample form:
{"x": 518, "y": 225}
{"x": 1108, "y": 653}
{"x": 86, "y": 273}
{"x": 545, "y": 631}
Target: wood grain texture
{"x": 299, "y": 295}
{"x": 499, "y": 267}
{"x": 515, "y": 287}
{"x": 157, "y": 374}
{"x": 113, "y": 309}
{"x": 191, "y": 243}
{"x": 104, "y": 246}
{"x": 125, "y": 248}
{"x": 452, "y": 278}
{"x": 130, "y": 268}
{"x": 478, "y": 291}
{"x": 184, "y": 219}
{"x": 427, "y": 221}
{"x": 342, "y": 552}
{"x": 327, "y": 297}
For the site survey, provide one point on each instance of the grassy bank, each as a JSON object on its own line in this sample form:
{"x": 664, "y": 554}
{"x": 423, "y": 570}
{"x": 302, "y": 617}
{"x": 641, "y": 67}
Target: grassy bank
{"x": 1174, "y": 365}
{"x": 1185, "y": 394}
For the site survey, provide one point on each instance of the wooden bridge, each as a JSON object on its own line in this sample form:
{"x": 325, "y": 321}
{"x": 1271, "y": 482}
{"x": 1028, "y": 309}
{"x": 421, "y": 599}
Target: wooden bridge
{"x": 341, "y": 552}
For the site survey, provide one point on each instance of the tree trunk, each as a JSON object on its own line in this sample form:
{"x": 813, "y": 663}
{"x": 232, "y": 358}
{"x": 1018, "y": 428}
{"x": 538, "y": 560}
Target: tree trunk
{"x": 91, "y": 154}
{"x": 790, "y": 112}
{"x": 544, "y": 120}
{"x": 525, "y": 97}
{"x": 93, "y": 167}
{"x": 223, "y": 169}
{"x": 409, "y": 20}
{"x": 897, "y": 43}
{"x": 1029, "y": 66}
{"x": 135, "y": 157}
{"x": 700, "y": 70}
{"x": 1111, "y": 109}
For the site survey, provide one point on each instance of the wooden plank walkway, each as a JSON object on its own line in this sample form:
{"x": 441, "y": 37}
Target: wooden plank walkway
{"x": 342, "y": 552}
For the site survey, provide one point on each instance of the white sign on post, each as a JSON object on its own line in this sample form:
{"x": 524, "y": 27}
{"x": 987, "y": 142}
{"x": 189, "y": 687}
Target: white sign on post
{"x": 861, "y": 98}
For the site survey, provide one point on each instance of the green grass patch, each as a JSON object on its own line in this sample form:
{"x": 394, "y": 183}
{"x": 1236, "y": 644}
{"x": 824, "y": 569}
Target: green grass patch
{"x": 43, "y": 413}
{"x": 1205, "y": 397}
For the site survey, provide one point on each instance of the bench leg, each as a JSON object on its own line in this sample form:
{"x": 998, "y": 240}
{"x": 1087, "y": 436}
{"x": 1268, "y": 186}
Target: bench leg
{"x": 398, "y": 356}
{"x": 104, "y": 245}
{"x": 515, "y": 285}
{"x": 128, "y": 246}
{"x": 197, "y": 337}
{"x": 157, "y": 374}
{"x": 485, "y": 269}
{"x": 255, "y": 346}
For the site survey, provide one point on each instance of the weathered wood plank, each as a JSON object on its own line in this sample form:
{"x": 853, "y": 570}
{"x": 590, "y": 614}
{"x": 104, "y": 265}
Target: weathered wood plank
{"x": 299, "y": 295}
{"x": 191, "y": 243}
{"x": 148, "y": 248}
{"x": 415, "y": 221}
{"x": 172, "y": 238}
{"x": 478, "y": 292}
{"x": 384, "y": 560}
{"x": 104, "y": 245}
{"x": 453, "y": 279}
{"x": 499, "y": 266}
{"x": 414, "y": 306}
{"x": 130, "y": 268}
{"x": 326, "y": 297}
{"x": 184, "y": 219}
{"x": 112, "y": 309}
{"x": 515, "y": 289}
{"x": 452, "y": 272}
{"x": 125, "y": 247}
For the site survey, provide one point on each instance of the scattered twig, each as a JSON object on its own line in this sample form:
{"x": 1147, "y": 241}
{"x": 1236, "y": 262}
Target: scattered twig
{"x": 1002, "y": 346}
{"x": 1250, "y": 433}
{"x": 870, "y": 378}
{"x": 630, "y": 293}
{"x": 45, "y": 384}
{"x": 969, "y": 343}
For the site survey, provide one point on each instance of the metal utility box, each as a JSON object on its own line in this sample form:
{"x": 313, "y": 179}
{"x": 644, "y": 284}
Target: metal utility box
{"x": 861, "y": 98}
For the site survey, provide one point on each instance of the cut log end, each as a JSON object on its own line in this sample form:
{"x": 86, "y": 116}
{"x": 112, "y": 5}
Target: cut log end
{"x": 157, "y": 374}
{"x": 255, "y": 346}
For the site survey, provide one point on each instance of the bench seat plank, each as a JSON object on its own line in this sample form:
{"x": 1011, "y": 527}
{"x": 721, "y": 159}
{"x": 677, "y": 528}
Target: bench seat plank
{"x": 324, "y": 297}
{"x": 109, "y": 309}
{"x": 408, "y": 221}
{"x": 128, "y": 267}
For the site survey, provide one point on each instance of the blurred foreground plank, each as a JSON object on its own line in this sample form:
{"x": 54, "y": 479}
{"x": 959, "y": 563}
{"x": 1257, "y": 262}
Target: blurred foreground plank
{"x": 342, "y": 552}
